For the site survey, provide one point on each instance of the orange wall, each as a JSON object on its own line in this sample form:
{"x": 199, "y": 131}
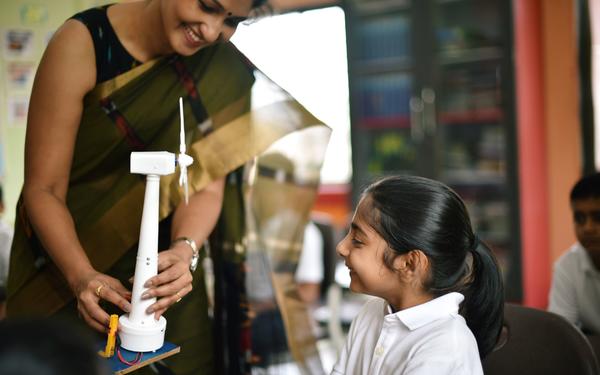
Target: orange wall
{"x": 532, "y": 158}
{"x": 562, "y": 117}
{"x": 548, "y": 129}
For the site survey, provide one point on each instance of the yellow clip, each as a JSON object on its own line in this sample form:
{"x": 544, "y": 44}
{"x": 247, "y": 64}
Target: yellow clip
{"x": 111, "y": 340}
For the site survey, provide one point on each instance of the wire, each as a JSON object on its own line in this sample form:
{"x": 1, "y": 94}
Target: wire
{"x": 136, "y": 360}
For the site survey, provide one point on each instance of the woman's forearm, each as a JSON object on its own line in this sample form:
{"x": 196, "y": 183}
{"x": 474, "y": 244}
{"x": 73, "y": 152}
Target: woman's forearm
{"x": 197, "y": 219}
{"x": 54, "y": 227}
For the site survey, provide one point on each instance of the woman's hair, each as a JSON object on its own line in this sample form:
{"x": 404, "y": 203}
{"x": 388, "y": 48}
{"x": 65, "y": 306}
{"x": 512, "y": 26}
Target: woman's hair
{"x": 260, "y": 9}
{"x": 411, "y": 213}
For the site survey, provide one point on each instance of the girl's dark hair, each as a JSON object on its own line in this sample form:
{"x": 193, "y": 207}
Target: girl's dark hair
{"x": 413, "y": 212}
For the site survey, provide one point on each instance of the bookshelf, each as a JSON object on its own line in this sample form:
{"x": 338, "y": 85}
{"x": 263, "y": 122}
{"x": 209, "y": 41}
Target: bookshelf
{"x": 431, "y": 93}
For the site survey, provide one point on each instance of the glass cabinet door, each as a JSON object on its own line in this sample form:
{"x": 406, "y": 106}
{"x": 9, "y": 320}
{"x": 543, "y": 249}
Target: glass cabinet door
{"x": 473, "y": 129}
{"x": 381, "y": 67}
{"x": 431, "y": 90}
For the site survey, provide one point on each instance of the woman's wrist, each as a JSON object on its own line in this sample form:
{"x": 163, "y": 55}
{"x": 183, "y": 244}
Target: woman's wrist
{"x": 77, "y": 274}
{"x": 191, "y": 253}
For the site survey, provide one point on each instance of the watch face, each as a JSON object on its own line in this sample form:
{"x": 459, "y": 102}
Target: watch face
{"x": 194, "y": 263}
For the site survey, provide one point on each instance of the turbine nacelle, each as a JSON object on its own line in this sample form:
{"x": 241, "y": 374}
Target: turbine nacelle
{"x": 160, "y": 163}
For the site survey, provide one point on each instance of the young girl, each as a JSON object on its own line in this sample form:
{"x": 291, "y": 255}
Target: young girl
{"x": 440, "y": 293}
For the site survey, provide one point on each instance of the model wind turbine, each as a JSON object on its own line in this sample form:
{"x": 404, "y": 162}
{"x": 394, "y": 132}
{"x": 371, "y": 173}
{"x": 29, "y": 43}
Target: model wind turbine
{"x": 139, "y": 331}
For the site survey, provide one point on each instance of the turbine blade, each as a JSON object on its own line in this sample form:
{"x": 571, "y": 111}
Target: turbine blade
{"x": 181, "y": 131}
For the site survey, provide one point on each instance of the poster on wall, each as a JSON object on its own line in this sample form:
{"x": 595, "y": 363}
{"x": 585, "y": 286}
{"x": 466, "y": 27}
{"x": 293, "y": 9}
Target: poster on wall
{"x": 17, "y": 43}
{"x": 19, "y": 75}
{"x": 17, "y": 110}
{"x": 33, "y": 14}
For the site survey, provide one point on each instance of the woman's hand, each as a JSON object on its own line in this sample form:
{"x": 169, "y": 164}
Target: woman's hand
{"x": 93, "y": 287}
{"x": 173, "y": 281}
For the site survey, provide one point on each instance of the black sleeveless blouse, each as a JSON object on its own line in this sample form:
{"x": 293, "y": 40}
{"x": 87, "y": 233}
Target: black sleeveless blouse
{"x": 112, "y": 58}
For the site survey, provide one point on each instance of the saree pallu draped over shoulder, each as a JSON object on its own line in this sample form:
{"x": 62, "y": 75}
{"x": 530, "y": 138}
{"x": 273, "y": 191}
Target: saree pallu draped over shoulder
{"x": 138, "y": 111}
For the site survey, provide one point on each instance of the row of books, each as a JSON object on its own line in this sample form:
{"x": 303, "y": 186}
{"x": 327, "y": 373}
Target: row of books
{"x": 385, "y": 37}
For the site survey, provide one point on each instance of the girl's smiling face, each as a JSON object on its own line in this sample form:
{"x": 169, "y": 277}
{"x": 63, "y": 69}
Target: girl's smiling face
{"x": 363, "y": 252}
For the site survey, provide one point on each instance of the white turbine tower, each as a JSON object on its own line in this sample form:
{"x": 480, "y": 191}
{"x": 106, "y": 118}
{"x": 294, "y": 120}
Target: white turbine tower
{"x": 139, "y": 331}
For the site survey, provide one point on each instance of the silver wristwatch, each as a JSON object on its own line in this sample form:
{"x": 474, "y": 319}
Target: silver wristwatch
{"x": 195, "y": 252}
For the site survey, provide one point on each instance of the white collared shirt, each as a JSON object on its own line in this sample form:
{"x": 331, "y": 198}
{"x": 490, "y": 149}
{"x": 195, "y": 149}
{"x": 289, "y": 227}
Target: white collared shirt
{"x": 575, "y": 291}
{"x": 431, "y": 338}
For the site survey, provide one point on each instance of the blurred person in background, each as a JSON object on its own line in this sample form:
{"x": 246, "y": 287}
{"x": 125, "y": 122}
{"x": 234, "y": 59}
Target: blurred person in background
{"x": 575, "y": 290}
{"x": 6, "y": 236}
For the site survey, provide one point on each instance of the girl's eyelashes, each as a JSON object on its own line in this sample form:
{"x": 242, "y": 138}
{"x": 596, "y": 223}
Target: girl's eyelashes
{"x": 356, "y": 242}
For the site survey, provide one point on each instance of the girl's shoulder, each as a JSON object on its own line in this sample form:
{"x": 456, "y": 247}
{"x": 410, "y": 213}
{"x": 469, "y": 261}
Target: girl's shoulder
{"x": 450, "y": 334}
{"x": 374, "y": 305}
{"x": 371, "y": 313}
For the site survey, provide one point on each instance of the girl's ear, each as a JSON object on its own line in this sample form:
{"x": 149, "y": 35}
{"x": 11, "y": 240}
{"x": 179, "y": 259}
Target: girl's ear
{"x": 413, "y": 264}
{"x": 399, "y": 263}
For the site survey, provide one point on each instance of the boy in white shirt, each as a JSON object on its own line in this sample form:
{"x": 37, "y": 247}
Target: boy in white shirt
{"x": 575, "y": 291}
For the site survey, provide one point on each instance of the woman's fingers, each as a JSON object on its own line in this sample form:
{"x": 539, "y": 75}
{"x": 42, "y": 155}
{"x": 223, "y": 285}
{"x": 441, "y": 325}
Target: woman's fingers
{"x": 92, "y": 322}
{"x": 111, "y": 290}
{"x": 158, "y": 313}
{"x": 164, "y": 303}
{"x": 172, "y": 284}
{"x": 116, "y": 297}
{"x": 92, "y": 313}
{"x": 171, "y": 268}
{"x": 99, "y": 316}
{"x": 119, "y": 288}
{"x": 95, "y": 288}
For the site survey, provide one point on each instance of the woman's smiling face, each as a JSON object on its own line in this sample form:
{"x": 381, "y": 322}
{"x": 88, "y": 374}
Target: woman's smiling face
{"x": 363, "y": 252}
{"x": 191, "y": 25}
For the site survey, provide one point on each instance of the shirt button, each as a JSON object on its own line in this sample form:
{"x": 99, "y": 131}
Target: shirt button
{"x": 379, "y": 350}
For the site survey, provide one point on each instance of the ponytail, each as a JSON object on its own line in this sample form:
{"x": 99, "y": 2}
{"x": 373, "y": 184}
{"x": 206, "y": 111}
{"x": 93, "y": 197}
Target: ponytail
{"x": 483, "y": 307}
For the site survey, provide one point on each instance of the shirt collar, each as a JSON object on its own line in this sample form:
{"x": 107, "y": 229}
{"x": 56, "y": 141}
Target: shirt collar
{"x": 425, "y": 313}
{"x": 585, "y": 261}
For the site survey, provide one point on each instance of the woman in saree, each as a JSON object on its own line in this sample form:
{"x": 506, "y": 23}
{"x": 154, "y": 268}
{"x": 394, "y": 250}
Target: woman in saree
{"x": 108, "y": 85}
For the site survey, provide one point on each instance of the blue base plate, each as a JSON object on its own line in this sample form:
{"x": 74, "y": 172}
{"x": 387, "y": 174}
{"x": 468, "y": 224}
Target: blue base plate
{"x": 118, "y": 367}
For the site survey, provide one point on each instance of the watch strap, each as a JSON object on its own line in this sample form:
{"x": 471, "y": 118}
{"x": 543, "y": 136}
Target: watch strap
{"x": 195, "y": 252}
